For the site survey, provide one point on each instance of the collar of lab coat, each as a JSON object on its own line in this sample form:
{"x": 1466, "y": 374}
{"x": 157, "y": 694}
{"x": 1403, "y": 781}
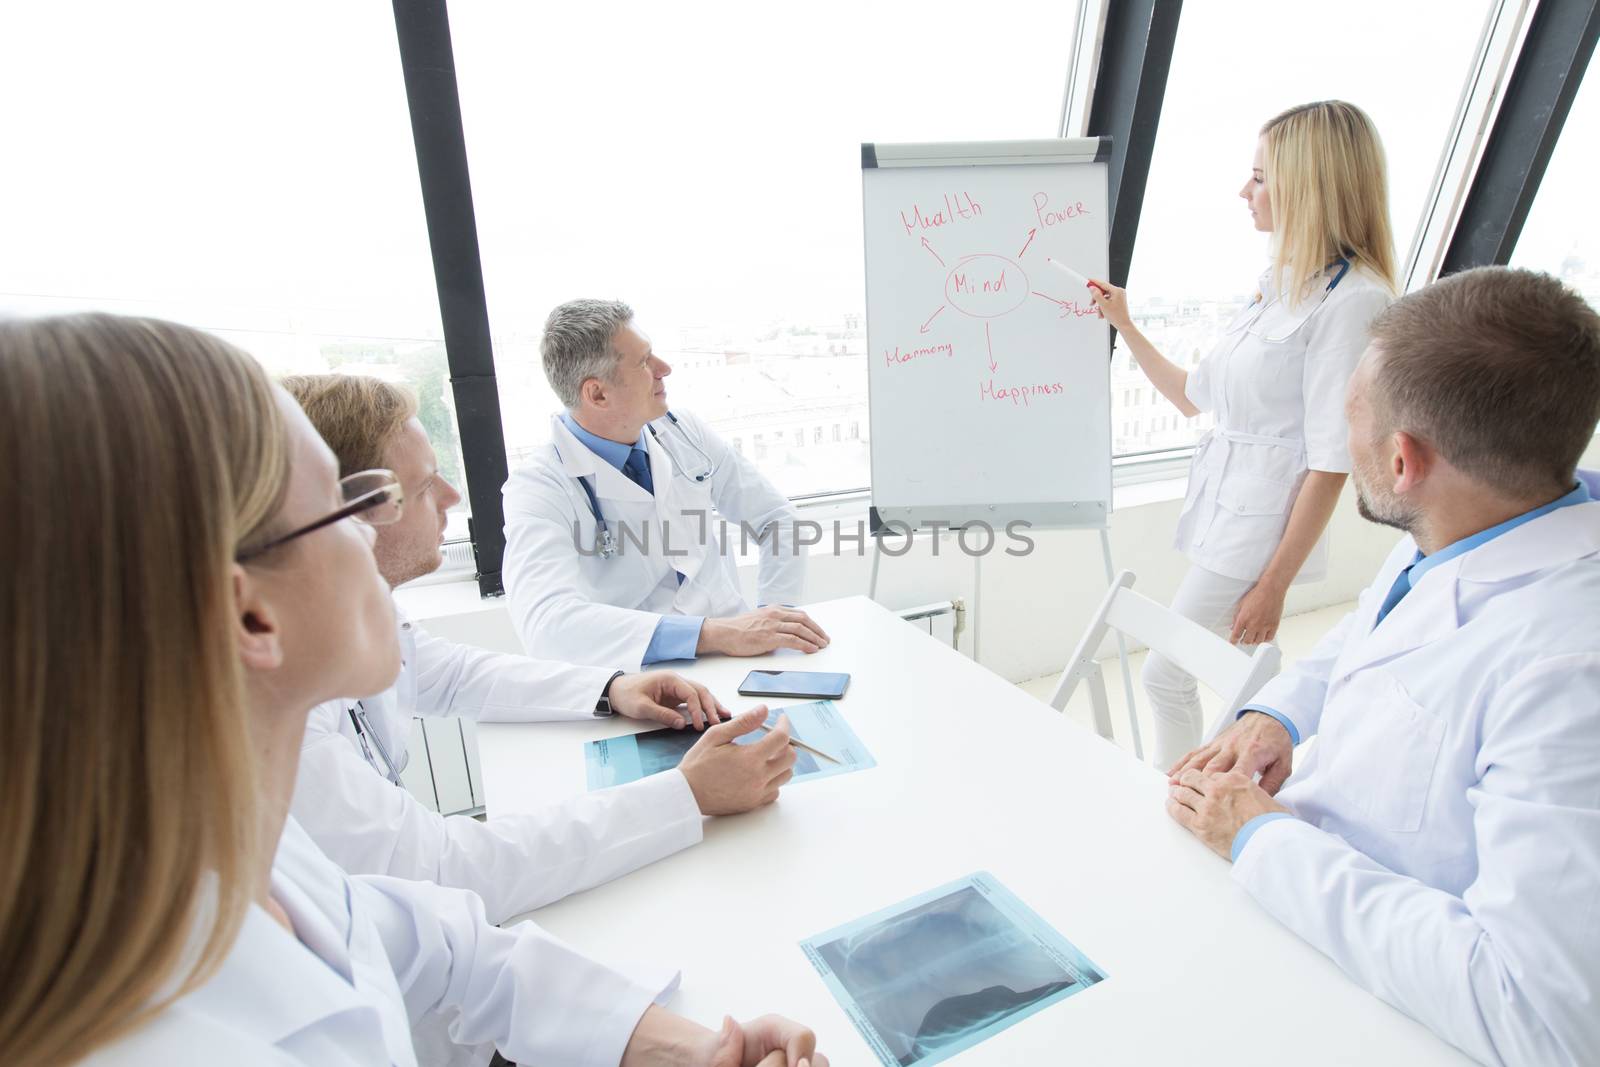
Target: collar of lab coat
{"x": 1432, "y": 610}
{"x": 275, "y": 984}
{"x": 1551, "y": 540}
{"x": 579, "y": 461}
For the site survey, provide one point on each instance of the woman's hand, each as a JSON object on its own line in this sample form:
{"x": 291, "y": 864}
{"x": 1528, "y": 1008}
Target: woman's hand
{"x": 770, "y": 1041}
{"x": 663, "y": 1039}
{"x": 1255, "y": 620}
{"x": 1112, "y": 303}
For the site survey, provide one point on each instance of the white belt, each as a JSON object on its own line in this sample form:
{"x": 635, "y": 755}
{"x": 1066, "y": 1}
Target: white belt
{"x": 1229, "y": 438}
{"x": 1233, "y": 437}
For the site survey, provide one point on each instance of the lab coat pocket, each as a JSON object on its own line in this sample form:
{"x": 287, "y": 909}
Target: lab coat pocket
{"x": 1381, "y": 748}
{"x": 1248, "y": 494}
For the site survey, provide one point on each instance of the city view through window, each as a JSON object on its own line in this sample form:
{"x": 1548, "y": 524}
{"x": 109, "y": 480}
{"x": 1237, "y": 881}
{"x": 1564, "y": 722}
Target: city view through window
{"x": 715, "y": 188}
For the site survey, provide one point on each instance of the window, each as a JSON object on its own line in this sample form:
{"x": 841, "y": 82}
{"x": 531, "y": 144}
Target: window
{"x": 1562, "y": 232}
{"x": 714, "y": 183}
{"x": 1197, "y": 257}
{"x": 198, "y": 162}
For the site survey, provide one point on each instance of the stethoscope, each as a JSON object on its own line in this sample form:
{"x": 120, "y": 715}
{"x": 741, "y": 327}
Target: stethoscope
{"x": 364, "y": 734}
{"x": 1260, "y": 305}
{"x": 605, "y": 542}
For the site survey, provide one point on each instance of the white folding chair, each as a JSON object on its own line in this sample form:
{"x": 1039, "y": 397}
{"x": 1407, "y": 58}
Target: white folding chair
{"x": 1223, "y": 668}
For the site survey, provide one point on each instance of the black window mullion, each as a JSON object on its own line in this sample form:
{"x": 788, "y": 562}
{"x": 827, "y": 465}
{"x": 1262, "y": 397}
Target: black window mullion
{"x": 427, "y": 61}
{"x": 1549, "y": 67}
{"x": 1129, "y": 87}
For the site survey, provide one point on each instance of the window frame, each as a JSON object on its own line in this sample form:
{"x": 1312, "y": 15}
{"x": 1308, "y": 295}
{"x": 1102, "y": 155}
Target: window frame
{"x": 1115, "y": 86}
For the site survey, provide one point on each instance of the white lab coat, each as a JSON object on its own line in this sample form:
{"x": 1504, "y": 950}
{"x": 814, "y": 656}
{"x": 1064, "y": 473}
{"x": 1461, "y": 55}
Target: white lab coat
{"x": 1275, "y": 384}
{"x": 514, "y": 862}
{"x": 369, "y": 955}
{"x": 1447, "y": 849}
{"x": 571, "y": 604}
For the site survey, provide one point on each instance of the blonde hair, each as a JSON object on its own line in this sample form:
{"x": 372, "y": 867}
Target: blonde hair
{"x": 358, "y": 416}
{"x": 139, "y": 456}
{"x": 1326, "y": 181}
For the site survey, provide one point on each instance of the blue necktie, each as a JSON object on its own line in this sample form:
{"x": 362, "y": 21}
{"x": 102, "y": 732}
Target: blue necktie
{"x": 637, "y": 468}
{"x": 1397, "y": 591}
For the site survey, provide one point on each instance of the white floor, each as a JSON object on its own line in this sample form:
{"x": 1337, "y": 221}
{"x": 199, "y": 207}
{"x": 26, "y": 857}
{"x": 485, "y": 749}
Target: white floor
{"x": 1296, "y": 636}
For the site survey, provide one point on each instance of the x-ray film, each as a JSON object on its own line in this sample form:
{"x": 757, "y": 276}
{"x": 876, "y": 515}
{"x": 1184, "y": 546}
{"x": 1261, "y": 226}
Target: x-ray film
{"x": 617, "y": 760}
{"x": 935, "y": 975}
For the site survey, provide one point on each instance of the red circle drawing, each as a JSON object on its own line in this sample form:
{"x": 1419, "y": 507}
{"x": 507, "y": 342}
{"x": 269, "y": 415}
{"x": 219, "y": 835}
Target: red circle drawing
{"x": 985, "y": 286}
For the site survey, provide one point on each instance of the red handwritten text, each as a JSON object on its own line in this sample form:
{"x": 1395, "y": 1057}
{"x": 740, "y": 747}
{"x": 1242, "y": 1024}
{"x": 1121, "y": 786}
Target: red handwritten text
{"x": 953, "y": 209}
{"x": 965, "y": 283}
{"x": 1019, "y": 395}
{"x": 1069, "y": 308}
{"x": 906, "y": 355}
{"x": 1055, "y": 216}
{"x": 985, "y": 286}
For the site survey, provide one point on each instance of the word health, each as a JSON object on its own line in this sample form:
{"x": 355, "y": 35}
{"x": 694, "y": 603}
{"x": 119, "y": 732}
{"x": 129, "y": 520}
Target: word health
{"x": 956, "y": 206}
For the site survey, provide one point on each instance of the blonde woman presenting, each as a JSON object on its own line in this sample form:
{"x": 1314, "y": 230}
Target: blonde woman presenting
{"x": 1264, "y": 481}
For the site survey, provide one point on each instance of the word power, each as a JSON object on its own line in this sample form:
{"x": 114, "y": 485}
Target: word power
{"x": 1055, "y": 216}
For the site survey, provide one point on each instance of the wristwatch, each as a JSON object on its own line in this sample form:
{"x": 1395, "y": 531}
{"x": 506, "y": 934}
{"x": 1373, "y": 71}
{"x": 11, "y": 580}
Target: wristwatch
{"x": 602, "y": 707}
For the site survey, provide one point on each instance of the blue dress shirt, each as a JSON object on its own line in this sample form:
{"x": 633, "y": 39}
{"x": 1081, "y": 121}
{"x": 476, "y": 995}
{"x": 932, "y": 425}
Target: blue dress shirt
{"x": 676, "y": 636}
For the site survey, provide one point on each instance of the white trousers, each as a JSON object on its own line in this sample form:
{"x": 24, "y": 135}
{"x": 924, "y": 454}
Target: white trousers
{"x": 1209, "y": 599}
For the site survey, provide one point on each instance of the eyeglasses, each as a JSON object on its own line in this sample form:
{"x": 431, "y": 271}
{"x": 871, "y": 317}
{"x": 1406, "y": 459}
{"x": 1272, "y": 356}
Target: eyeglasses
{"x": 373, "y": 497}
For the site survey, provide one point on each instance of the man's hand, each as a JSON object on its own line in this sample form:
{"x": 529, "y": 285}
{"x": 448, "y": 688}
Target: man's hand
{"x": 1254, "y": 744}
{"x": 761, "y": 631}
{"x": 1256, "y": 618}
{"x": 1214, "y": 806}
{"x": 726, "y": 778}
{"x": 667, "y": 698}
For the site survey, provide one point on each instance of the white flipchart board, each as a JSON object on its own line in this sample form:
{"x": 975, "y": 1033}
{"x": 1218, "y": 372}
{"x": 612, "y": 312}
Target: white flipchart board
{"x": 989, "y": 376}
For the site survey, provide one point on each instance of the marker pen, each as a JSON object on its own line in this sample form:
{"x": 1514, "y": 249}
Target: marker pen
{"x": 1085, "y": 282}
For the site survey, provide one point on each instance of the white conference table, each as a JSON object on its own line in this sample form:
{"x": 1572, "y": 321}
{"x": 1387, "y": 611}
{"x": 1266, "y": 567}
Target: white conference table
{"x": 972, "y": 774}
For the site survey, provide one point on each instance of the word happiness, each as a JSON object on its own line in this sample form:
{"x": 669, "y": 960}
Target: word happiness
{"x": 1019, "y": 395}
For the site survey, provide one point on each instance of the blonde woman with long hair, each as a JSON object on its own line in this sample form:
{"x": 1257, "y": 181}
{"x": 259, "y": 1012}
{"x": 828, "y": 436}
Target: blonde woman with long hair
{"x": 1265, "y": 480}
{"x": 183, "y": 586}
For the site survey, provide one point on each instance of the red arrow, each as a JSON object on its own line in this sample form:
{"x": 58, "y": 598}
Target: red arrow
{"x": 992, "y": 364}
{"x": 1028, "y": 242}
{"x": 931, "y": 252}
{"x": 924, "y": 327}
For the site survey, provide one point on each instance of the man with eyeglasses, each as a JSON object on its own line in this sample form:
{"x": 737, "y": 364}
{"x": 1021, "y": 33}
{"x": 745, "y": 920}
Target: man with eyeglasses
{"x": 516, "y": 863}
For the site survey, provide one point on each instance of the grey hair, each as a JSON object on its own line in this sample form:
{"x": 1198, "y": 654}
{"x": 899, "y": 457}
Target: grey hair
{"x": 578, "y": 345}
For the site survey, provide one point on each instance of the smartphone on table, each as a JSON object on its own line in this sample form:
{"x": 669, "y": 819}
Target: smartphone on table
{"x": 817, "y": 685}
